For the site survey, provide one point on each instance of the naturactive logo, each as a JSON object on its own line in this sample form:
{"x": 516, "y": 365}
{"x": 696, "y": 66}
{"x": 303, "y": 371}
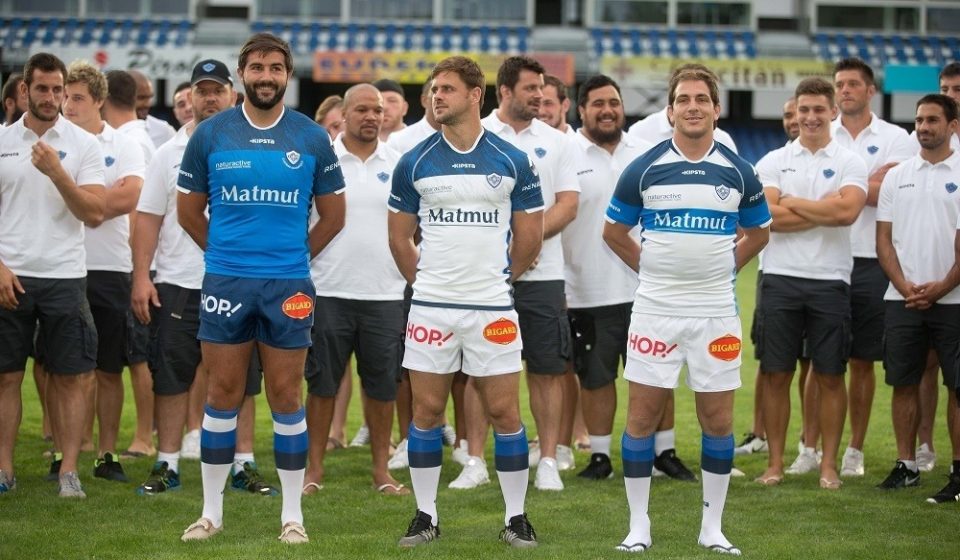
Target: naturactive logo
{"x": 259, "y": 195}
{"x": 461, "y": 217}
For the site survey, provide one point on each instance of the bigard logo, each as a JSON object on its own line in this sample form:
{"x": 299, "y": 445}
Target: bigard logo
{"x": 502, "y": 331}
{"x": 726, "y": 348}
{"x": 297, "y": 306}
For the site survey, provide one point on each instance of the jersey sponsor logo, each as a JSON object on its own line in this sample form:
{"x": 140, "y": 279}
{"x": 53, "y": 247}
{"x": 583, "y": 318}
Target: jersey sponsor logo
{"x": 62, "y": 154}
{"x": 829, "y": 173}
{"x": 688, "y": 221}
{"x": 441, "y": 216}
{"x": 438, "y": 189}
{"x": 427, "y": 335}
{"x": 238, "y": 164}
{"x": 257, "y": 195}
{"x": 584, "y": 172}
{"x": 331, "y": 167}
{"x": 650, "y": 346}
{"x": 726, "y": 348}
{"x": 872, "y": 150}
{"x": 220, "y": 306}
{"x": 463, "y": 166}
{"x": 951, "y": 187}
{"x": 185, "y": 173}
{"x": 906, "y": 186}
{"x": 297, "y": 306}
{"x": 292, "y": 160}
{"x": 502, "y": 331}
{"x": 9, "y": 154}
{"x": 755, "y": 197}
{"x": 788, "y": 170}
{"x": 383, "y": 176}
{"x": 694, "y": 172}
{"x": 262, "y": 141}
{"x": 723, "y": 191}
{"x": 659, "y": 197}
{"x": 494, "y": 180}
{"x": 540, "y": 152}
{"x": 109, "y": 161}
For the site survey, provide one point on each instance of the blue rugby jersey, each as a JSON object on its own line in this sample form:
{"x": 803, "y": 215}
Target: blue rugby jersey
{"x": 260, "y": 184}
{"x": 689, "y": 212}
{"x": 464, "y": 202}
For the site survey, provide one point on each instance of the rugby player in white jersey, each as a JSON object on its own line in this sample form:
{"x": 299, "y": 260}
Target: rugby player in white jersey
{"x": 109, "y": 262}
{"x": 692, "y": 195}
{"x": 816, "y": 189}
{"x": 881, "y": 145}
{"x": 600, "y": 289}
{"x": 919, "y": 248}
{"x": 51, "y": 184}
{"x": 476, "y": 201}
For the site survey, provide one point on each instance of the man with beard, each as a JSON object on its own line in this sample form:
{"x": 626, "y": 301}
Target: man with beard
{"x": 14, "y": 102}
{"x": 600, "y": 289}
{"x": 51, "y": 184}
{"x": 919, "y": 249}
{"x": 261, "y": 168}
{"x": 476, "y": 200}
{"x": 159, "y": 130}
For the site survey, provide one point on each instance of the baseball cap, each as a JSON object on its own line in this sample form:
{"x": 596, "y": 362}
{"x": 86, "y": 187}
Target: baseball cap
{"x": 211, "y": 69}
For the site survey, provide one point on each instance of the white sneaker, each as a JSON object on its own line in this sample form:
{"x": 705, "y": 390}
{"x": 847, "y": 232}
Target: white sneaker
{"x": 926, "y": 459}
{"x": 736, "y": 473}
{"x": 460, "y": 454}
{"x": 548, "y": 476}
{"x": 474, "y": 474}
{"x": 565, "y": 458}
{"x": 362, "y": 438}
{"x": 190, "y": 446}
{"x": 449, "y": 435}
{"x": 852, "y": 464}
{"x": 806, "y": 461}
{"x": 751, "y": 444}
{"x": 400, "y": 460}
{"x": 534, "y": 456}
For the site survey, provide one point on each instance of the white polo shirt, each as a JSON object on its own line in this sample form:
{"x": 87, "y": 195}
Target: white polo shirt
{"x": 403, "y": 140}
{"x": 108, "y": 245}
{"x": 595, "y": 275}
{"x": 553, "y": 154}
{"x": 179, "y": 261}
{"x": 358, "y": 264}
{"x": 655, "y": 128}
{"x": 821, "y": 253}
{"x": 39, "y": 237}
{"x": 137, "y": 130}
{"x": 922, "y": 202}
{"x": 878, "y": 144}
{"x": 159, "y": 130}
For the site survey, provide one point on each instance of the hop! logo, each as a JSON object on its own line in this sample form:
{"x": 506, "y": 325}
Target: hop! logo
{"x": 726, "y": 348}
{"x": 427, "y": 335}
{"x": 297, "y": 306}
{"x": 502, "y": 331}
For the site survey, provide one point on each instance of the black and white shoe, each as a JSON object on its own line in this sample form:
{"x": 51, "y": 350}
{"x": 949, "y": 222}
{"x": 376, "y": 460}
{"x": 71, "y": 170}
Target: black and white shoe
{"x": 949, "y": 493}
{"x": 599, "y": 468}
{"x": 421, "y": 531}
{"x": 519, "y": 532}
{"x": 900, "y": 477}
{"x": 669, "y": 464}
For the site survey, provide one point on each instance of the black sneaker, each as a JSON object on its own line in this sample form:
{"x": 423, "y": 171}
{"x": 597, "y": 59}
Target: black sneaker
{"x": 421, "y": 531}
{"x": 669, "y": 464}
{"x": 109, "y": 468}
{"x": 249, "y": 479}
{"x": 54, "y": 474}
{"x": 160, "y": 480}
{"x": 949, "y": 493}
{"x": 900, "y": 477}
{"x": 519, "y": 532}
{"x": 599, "y": 468}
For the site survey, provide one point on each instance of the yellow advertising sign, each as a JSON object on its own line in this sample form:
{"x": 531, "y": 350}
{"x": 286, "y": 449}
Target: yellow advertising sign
{"x": 750, "y": 74}
{"x": 414, "y": 67}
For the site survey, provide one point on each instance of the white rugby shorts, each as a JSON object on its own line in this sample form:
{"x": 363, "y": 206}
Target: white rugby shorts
{"x": 478, "y": 342}
{"x": 658, "y": 347}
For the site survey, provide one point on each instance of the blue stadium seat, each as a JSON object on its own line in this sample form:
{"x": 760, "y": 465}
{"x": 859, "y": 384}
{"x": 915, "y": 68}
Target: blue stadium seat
{"x": 143, "y": 34}
{"x": 333, "y": 37}
{"x": 693, "y": 49}
{"x": 183, "y": 33}
{"x": 522, "y": 36}
{"x": 50, "y": 32}
{"x": 446, "y": 38}
{"x": 655, "y": 42}
{"x": 86, "y": 34}
{"x": 69, "y": 30}
{"x": 390, "y": 42}
{"x": 504, "y": 43}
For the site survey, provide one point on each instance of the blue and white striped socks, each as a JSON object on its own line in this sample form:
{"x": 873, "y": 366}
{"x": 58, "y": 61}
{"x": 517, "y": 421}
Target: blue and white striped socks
{"x": 637, "y": 454}
{"x": 512, "y": 459}
{"x": 218, "y": 439}
{"x": 425, "y": 451}
{"x": 290, "y": 444}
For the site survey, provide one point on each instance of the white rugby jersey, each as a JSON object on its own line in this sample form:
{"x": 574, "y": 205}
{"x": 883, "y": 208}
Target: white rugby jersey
{"x": 137, "y": 130}
{"x": 108, "y": 245}
{"x": 595, "y": 275}
{"x": 357, "y": 263}
{"x": 404, "y": 140}
{"x": 39, "y": 237}
{"x": 922, "y": 202}
{"x": 689, "y": 211}
{"x": 465, "y": 202}
{"x": 179, "y": 260}
{"x": 821, "y": 253}
{"x": 159, "y": 130}
{"x": 878, "y": 144}
{"x": 552, "y": 153}
{"x": 655, "y": 128}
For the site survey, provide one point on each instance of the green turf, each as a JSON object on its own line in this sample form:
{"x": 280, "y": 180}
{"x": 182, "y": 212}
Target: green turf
{"x": 348, "y": 519}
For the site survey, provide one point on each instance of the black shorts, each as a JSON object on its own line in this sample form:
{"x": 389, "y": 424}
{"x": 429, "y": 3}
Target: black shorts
{"x": 755, "y": 327}
{"x": 794, "y": 308}
{"x": 868, "y": 284}
{"x": 544, "y": 327}
{"x": 138, "y": 340}
{"x": 65, "y": 325}
{"x": 909, "y": 333}
{"x": 109, "y": 295}
{"x": 599, "y": 342}
{"x": 372, "y": 330}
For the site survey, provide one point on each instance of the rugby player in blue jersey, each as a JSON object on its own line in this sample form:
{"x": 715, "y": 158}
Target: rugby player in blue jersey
{"x": 258, "y": 168}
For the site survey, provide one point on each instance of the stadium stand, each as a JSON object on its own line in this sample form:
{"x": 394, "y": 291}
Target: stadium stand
{"x": 18, "y": 32}
{"x": 673, "y": 43}
{"x": 879, "y": 50}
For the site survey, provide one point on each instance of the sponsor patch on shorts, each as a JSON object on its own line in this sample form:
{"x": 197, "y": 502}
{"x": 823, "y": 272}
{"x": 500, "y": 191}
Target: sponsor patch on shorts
{"x": 297, "y": 306}
{"x": 725, "y": 348}
{"x": 502, "y": 331}
{"x": 650, "y": 346}
{"x": 426, "y": 335}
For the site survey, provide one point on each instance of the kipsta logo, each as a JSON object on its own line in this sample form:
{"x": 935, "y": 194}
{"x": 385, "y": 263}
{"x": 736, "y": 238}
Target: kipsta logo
{"x": 829, "y": 173}
{"x": 108, "y": 161}
{"x": 383, "y": 176}
{"x": 723, "y": 191}
{"x": 540, "y": 152}
{"x": 872, "y": 150}
{"x": 62, "y": 154}
{"x": 208, "y": 67}
{"x": 494, "y": 179}
{"x": 951, "y": 187}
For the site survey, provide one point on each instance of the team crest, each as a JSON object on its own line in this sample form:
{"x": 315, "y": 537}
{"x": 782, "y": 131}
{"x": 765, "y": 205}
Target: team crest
{"x": 723, "y": 191}
{"x": 292, "y": 159}
{"x": 109, "y": 161}
{"x": 383, "y": 176}
{"x": 829, "y": 173}
{"x": 540, "y": 152}
{"x": 208, "y": 67}
{"x": 951, "y": 187}
{"x": 62, "y": 154}
{"x": 872, "y": 150}
{"x": 494, "y": 179}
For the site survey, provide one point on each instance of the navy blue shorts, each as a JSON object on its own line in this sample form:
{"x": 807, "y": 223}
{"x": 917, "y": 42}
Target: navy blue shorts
{"x": 277, "y": 312}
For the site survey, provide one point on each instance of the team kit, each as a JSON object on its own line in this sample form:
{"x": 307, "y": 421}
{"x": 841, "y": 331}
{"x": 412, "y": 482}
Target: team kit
{"x": 269, "y": 249}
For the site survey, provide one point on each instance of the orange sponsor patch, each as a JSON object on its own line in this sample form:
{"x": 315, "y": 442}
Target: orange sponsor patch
{"x": 298, "y": 306}
{"x": 725, "y": 348}
{"x": 501, "y": 331}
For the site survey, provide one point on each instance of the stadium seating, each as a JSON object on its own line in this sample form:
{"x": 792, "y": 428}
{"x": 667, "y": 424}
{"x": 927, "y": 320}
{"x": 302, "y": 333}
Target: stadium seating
{"x": 18, "y": 32}
{"x": 879, "y": 50}
{"x": 672, "y": 42}
{"x": 754, "y": 140}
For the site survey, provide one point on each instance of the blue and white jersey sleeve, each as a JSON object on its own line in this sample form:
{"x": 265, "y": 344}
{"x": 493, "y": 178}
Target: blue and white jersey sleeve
{"x": 193, "y": 168}
{"x": 403, "y": 196}
{"x": 753, "y": 205}
{"x": 627, "y": 202}
{"x": 328, "y": 177}
{"x": 527, "y": 195}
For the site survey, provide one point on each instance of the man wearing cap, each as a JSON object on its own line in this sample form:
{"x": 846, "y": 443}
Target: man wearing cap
{"x": 394, "y": 107}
